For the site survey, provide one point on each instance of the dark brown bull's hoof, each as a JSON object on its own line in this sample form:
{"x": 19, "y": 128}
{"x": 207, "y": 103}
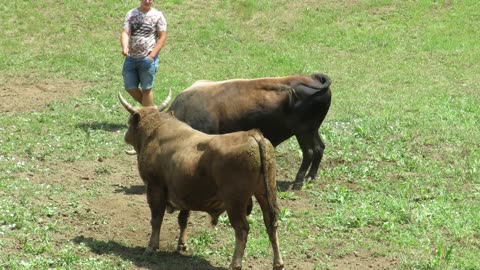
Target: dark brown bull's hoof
{"x": 297, "y": 186}
{"x": 279, "y": 267}
{"x": 169, "y": 208}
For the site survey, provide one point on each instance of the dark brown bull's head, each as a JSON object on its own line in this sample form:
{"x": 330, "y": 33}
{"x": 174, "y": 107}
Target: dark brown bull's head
{"x": 135, "y": 113}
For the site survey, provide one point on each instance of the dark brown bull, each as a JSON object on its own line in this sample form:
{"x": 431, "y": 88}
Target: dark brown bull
{"x": 185, "y": 169}
{"x": 280, "y": 107}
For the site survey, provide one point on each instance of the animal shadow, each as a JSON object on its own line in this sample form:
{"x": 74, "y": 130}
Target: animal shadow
{"x": 284, "y": 185}
{"x": 161, "y": 260}
{"x": 101, "y": 126}
{"x": 131, "y": 190}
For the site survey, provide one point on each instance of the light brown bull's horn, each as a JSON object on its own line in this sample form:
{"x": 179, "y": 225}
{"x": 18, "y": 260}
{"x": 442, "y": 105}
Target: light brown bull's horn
{"x": 164, "y": 105}
{"x": 126, "y": 105}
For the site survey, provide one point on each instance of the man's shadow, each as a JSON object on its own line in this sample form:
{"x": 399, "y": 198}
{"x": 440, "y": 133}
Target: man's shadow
{"x": 160, "y": 260}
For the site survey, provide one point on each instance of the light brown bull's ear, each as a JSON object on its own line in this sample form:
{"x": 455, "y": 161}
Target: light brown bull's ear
{"x": 135, "y": 119}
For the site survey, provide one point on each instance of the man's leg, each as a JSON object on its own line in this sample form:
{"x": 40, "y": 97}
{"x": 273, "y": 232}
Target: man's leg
{"x": 147, "y": 98}
{"x": 131, "y": 79}
{"x": 136, "y": 94}
{"x": 147, "y": 75}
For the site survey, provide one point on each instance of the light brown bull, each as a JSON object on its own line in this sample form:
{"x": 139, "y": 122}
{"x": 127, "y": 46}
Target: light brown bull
{"x": 184, "y": 169}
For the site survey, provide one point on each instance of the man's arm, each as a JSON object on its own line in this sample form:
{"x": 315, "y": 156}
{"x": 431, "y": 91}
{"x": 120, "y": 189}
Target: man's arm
{"x": 124, "y": 39}
{"x": 162, "y": 37}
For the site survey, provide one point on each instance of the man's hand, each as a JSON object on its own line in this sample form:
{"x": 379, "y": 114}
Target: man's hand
{"x": 125, "y": 52}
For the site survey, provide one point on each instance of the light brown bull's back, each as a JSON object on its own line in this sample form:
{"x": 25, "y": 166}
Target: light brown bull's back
{"x": 201, "y": 169}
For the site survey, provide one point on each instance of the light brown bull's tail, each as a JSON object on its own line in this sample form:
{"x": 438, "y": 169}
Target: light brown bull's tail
{"x": 267, "y": 169}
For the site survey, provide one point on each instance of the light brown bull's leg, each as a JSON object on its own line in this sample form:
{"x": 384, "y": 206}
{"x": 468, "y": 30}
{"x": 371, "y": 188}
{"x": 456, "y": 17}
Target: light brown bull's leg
{"x": 271, "y": 223}
{"x": 238, "y": 219}
{"x": 182, "y": 223}
{"x": 156, "y": 201}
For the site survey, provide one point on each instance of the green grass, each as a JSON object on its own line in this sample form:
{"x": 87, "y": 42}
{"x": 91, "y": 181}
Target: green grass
{"x": 400, "y": 178}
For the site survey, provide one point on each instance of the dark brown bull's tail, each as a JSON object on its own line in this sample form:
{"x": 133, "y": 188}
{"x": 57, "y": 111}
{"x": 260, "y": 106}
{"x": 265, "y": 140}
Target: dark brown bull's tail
{"x": 267, "y": 169}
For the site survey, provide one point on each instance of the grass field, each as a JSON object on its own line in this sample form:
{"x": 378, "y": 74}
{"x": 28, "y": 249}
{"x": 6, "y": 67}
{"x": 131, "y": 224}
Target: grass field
{"x": 399, "y": 186}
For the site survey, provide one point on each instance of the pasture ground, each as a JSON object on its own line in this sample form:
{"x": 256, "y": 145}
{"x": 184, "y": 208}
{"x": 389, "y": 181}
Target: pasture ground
{"x": 399, "y": 186}
{"x": 116, "y": 223}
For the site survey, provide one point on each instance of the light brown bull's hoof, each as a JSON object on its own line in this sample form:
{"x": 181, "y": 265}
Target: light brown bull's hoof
{"x": 182, "y": 248}
{"x": 148, "y": 251}
{"x": 130, "y": 152}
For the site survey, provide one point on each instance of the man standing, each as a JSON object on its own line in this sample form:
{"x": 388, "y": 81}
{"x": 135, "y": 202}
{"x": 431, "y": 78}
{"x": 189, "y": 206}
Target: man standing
{"x": 143, "y": 36}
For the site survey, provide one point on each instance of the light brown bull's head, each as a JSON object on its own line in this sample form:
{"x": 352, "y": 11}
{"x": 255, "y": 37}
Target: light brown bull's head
{"x": 135, "y": 115}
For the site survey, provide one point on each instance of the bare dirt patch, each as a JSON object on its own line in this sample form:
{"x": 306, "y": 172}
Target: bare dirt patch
{"x": 363, "y": 260}
{"x": 23, "y": 94}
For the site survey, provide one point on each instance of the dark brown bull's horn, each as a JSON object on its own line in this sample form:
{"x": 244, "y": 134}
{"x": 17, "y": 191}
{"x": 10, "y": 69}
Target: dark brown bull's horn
{"x": 126, "y": 105}
{"x": 164, "y": 105}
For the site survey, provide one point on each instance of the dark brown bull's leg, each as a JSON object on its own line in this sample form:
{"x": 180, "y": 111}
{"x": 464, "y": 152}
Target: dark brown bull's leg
{"x": 182, "y": 222}
{"x": 157, "y": 203}
{"x": 238, "y": 218}
{"x": 306, "y": 144}
{"x": 318, "y": 149}
{"x": 270, "y": 219}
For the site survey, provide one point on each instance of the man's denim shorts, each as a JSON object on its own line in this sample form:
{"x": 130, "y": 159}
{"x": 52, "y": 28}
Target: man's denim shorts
{"x": 139, "y": 72}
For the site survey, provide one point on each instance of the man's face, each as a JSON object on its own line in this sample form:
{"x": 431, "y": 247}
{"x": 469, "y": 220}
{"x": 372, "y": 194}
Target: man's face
{"x": 146, "y": 3}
